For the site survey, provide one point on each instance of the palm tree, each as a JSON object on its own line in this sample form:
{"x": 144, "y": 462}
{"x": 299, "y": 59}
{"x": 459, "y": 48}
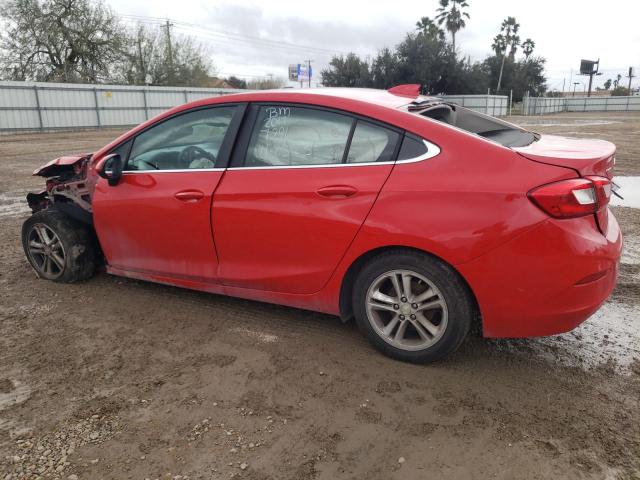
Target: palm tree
{"x": 616, "y": 82}
{"x": 429, "y": 28}
{"x": 499, "y": 44}
{"x": 450, "y": 14}
{"x": 527, "y": 47}
{"x": 509, "y": 30}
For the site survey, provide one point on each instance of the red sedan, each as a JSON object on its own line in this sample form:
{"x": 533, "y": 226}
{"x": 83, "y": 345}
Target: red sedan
{"x": 415, "y": 216}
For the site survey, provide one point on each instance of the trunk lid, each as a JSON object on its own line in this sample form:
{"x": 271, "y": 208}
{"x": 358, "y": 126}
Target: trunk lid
{"x": 585, "y": 156}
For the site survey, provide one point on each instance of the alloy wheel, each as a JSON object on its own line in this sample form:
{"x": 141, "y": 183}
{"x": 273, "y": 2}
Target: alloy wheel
{"x": 46, "y": 251}
{"x": 406, "y": 310}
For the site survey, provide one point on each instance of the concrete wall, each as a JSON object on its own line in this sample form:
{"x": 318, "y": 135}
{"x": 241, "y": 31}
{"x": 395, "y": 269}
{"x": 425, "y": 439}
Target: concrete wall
{"x": 48, "y": 106}
{"x": 495, "y": 105}
{"x": 546, "y": 105}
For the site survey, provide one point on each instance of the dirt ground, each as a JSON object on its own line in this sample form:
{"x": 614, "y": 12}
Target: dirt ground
{"x": 118, "y": 379}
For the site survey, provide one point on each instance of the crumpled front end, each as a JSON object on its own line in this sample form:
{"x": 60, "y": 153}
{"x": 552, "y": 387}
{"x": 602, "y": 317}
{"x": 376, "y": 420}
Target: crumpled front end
{"x": 69, "y": 187}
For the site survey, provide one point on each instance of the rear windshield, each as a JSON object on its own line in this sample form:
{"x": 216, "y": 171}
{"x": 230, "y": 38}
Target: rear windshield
{"x": 485, "y": 126}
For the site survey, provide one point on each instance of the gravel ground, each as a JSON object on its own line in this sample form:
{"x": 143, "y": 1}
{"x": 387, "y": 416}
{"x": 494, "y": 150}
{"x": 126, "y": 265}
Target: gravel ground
{"x": 121, "y": 379}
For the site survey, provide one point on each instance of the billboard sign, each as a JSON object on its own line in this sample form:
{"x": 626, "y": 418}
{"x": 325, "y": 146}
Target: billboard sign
{"x": 293, "y": 72}
{"x": 587, "y": 67}
{"x": 300, "y": 72}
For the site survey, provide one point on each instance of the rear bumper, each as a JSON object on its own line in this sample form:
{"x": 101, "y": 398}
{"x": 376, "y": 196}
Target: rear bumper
{"x": 548, "y": 280}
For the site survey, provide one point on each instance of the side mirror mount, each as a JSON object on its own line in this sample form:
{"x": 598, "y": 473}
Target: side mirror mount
{"x": 111, "y": 169}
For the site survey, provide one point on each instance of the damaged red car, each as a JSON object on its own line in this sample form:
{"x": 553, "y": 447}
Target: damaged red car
{"x": 415, "y": 216}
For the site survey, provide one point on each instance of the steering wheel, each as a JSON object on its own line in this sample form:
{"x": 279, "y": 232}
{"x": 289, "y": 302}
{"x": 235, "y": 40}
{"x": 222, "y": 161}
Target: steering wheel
{"x": 191, "y": 153}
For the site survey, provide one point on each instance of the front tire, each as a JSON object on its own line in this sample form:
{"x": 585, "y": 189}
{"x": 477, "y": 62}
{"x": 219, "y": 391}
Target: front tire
{"x": 58, "y": 247}
{"x": 411, "y": 306}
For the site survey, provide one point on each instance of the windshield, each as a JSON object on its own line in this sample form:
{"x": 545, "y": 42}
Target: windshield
{"x": 488, "y": 127}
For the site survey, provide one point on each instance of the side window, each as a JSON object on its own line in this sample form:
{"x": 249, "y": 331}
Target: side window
{"x": 189, "y": 141}
{"x": 372, "y": 143}
{"x": 123, "y": 150}
{"x": 289, "y": 136}
{"x": 412, "y": 147}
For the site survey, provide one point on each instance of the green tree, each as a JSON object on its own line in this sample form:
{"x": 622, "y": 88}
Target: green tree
{"x": 607, "y": 84}
{"x": 426, "y": 60}
{"x": 499, "y": 45}
{"x": 616, "y": 82}
{"x": 424, "y": 57}
{"x": 384, "y": 69}
{"x": 452, "y": 15}
{"x": 509, "y": 32}
{"x": 156, "y": 57}
{"x": 527, "y": 48}
{"x": 347, "y": 71}
{"x": 59, "y": 40}
{"x": 428, "y": 27}
{"x": 620, "y": 91}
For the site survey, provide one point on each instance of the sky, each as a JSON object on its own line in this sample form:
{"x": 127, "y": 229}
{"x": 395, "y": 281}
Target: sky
{"x": 255, "y": 39}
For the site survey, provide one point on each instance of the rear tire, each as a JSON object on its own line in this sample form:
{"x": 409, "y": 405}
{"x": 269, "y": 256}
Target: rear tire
{"x": 58, "y": 247}
{"x": 412, "y": 306}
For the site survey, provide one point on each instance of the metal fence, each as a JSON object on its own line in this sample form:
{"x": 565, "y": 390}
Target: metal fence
{"x": 495, "y": 105}
{"x": 48, "y": 106}
{"x": 545, "y": 105}
{"x": 28, "y": 106}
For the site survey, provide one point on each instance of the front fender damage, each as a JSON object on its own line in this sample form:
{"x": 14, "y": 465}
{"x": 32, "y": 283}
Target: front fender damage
{"x": 68, "y": 187}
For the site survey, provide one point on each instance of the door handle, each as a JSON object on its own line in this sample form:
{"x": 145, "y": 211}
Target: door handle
{"x": 189, "y": 196}
{"x": 339, "y": 191}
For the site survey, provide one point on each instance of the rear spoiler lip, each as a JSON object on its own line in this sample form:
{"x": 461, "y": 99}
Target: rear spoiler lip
{"x": 410, "y": 90}
{"x": 594, "y": 159}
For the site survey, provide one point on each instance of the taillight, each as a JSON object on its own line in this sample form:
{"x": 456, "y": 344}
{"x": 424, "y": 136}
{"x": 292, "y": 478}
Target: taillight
{"x": 603, "y": 190}
{"x": 572, "y": 198}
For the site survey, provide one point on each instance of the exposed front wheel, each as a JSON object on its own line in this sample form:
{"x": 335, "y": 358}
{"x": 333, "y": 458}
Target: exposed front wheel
{"x": 412, "y": 306}
{"x": 58, "y": 247}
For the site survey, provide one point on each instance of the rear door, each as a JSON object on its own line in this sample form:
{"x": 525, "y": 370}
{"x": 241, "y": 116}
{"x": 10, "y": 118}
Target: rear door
{"x": 157, "y": 219}
{"x": 300, "y": 185}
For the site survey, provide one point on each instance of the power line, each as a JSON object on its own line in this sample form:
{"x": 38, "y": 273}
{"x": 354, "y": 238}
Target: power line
{"x": 226, "y": 35}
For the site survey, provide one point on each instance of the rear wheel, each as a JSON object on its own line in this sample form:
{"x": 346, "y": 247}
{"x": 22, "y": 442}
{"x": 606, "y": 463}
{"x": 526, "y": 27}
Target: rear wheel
{"x": 412, "y": 306}
{"x": 59, "y": 248}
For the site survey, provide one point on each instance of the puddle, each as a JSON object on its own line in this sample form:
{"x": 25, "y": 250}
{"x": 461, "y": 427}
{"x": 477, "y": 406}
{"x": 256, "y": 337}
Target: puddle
{"x": 13, "y": 205}
{"x": 629, "y": 190}
{"x": 612, "y": 334}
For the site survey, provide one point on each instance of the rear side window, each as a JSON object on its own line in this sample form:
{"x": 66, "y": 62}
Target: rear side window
{"x": 412, "y": 147}
{"x": 290, "y": 136}
{"x": 372, "y": 143}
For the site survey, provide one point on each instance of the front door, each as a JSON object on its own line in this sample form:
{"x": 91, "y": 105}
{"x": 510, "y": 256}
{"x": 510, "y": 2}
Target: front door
{"x": 301, "y": 184}
{"x": 157, "y": 219}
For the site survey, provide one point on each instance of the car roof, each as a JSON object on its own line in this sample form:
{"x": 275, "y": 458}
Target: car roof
{"x": 384, "y": 98}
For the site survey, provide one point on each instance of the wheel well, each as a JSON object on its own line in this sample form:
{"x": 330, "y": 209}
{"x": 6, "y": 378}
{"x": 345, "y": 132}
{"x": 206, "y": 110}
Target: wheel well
{"x": 346, "y": 290}
{"x": 73, "y": 210}
{"x": 85, "y": 218}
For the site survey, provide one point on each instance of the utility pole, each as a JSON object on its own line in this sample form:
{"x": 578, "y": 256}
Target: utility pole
{"x": 587, "y": 68}
{"x": 170, "y": 79}
{"x": 309, "y": 71}
{"x": 570, "y": 78}
{"x": 630, "y": 76}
